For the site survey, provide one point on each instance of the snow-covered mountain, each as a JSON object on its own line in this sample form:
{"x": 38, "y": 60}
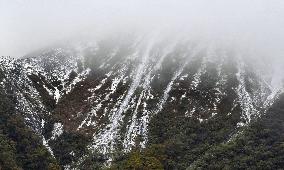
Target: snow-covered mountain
{"x": 113, "y": 90}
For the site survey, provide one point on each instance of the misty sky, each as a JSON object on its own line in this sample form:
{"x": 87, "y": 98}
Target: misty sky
{"x": 26, "y": 25}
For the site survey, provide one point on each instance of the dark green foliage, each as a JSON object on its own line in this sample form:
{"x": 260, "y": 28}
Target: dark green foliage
{"x": 69, "y": 147}
{"x": 186, "y": 138}
{"x": 189, "y": 144}
{"x": 148, "y": 159}
{"x": 7, "y": 153}
{"x": 93, "y": 161}
{"x": 39, "y": 82}
{"x": 261, "y": 146}
{"x": 20, "y": 147}
{"x": 257, "y": 148}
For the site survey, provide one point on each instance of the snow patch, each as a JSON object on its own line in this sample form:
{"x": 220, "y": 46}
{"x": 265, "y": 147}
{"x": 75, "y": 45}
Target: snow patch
{"x": 57, "y": 130}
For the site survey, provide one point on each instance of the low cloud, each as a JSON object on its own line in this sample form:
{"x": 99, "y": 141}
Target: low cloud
{"x": 27, "y": 25}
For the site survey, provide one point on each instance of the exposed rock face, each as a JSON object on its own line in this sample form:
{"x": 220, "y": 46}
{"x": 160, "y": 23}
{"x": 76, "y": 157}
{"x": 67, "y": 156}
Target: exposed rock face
{"x": 110, "y": 90}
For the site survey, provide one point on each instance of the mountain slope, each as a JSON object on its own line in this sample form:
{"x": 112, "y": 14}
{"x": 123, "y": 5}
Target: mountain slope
{"x": 106, "y": 97}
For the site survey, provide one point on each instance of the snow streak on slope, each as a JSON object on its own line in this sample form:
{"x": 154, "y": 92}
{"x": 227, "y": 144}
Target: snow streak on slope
{"x": 138, "y": 126}
{"x": 48, "y": 73}
{"x": 247, "y": 105}
{"x": 197, "y": 75}
{"x": 131, "y": 135}
{"x": 107, "y": 138}
{"x": 276, "y": 86}
{"x": 27, "y": 97}
{"x": 176, "y": 75}
{"x": 56, "y": 67}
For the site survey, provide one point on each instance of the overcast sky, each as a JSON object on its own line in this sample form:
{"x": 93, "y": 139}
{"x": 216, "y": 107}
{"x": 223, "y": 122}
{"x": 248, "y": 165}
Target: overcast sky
{"x": 26, "y": 25}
